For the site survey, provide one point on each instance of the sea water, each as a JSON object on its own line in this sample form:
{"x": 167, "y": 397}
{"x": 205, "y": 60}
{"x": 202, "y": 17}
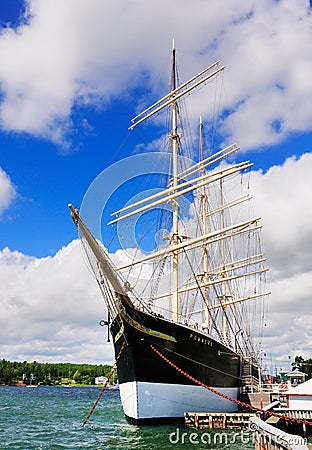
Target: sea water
{"x": 52, "y": 417}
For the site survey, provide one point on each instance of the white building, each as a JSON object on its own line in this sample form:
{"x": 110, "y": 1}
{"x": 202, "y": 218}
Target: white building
{"x": 300, "y": 397}
{"x": 296, "y": 377}
{"x": 100, "y": 380}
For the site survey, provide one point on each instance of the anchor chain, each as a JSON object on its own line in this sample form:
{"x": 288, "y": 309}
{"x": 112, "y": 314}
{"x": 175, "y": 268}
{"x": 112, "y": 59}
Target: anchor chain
{"x": 227, "y": 397}
{"x": 105, "y": 385}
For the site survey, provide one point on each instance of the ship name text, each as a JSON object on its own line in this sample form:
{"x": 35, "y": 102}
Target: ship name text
{"x": 203, "y": 340}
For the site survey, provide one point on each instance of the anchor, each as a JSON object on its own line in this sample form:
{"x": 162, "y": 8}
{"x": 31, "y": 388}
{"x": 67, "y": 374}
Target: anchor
{"x": 106, "y": 323}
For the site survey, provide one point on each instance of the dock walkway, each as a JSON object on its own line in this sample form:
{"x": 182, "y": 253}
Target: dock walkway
{"x": 217, "y": 420}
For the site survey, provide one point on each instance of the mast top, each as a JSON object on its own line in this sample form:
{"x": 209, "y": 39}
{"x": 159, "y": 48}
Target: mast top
{"x": 173, "y": 69}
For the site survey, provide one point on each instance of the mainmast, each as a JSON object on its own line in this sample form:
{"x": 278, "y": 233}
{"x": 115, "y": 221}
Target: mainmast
{"x": 204, "y": 220}
{"x": 175, "y": 228}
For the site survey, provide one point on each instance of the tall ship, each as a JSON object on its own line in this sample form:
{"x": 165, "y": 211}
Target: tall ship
{"x": 187, "y": 305}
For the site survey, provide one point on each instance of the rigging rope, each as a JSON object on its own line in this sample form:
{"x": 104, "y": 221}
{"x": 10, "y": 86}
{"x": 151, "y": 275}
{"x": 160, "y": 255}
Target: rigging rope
{"x": 105, "y": 385}
{"x": 203, "y": 297}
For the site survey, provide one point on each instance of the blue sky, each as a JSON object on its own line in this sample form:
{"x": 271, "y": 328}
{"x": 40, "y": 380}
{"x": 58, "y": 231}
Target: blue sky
{"x": 10, "y": 12}
{"x": 47, "y": 176}
{"x": 70, "y": 82}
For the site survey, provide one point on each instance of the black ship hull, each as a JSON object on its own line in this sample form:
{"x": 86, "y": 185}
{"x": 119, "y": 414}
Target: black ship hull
{"x": 151, "y": 390}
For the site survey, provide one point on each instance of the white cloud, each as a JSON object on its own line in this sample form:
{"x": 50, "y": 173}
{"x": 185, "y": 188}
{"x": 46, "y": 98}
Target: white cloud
{"x": 281, "y": 197}
{"x": 268, "y": 59}
{"x": 7, "y": 191}
{"x": 51, "y": 308}
{"x": 73, "y": 53}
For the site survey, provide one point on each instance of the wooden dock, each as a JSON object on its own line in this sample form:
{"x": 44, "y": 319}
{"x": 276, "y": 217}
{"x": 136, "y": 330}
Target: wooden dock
{"x": 217, "y": 420}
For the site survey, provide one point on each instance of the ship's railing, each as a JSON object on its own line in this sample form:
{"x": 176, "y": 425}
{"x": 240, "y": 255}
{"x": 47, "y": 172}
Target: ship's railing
{"x": 266, "y": 387}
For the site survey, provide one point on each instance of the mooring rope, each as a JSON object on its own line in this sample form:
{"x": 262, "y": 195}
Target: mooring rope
{"x": 220, "y": 394}
{"x": 105, "y": 385}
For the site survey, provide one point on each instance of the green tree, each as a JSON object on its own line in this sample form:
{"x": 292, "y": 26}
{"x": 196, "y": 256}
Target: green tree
{"x": 49, "y": 373}
{"x": 77, "y": 376}
{"x": 303, "y": 365}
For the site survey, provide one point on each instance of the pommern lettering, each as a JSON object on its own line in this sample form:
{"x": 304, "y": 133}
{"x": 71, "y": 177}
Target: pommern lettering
{"x": 200, "y": 339}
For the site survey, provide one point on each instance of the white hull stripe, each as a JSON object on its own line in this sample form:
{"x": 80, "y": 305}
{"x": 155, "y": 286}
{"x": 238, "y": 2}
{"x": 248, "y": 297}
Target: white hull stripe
{"x": 141, "y": 400}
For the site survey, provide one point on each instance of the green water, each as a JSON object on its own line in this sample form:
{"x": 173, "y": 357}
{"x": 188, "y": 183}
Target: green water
{"x": 51, "y": 418}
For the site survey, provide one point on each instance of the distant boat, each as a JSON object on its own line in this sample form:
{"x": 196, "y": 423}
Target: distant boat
{"x": 113, "y": 388}
{"x": 203, "y": 323}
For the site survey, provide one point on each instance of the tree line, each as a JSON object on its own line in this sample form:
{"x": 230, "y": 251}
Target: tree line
{"x": 51, "y": 373}
{"x": 304, "y": 365}
{"x": 60, "y": 373}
